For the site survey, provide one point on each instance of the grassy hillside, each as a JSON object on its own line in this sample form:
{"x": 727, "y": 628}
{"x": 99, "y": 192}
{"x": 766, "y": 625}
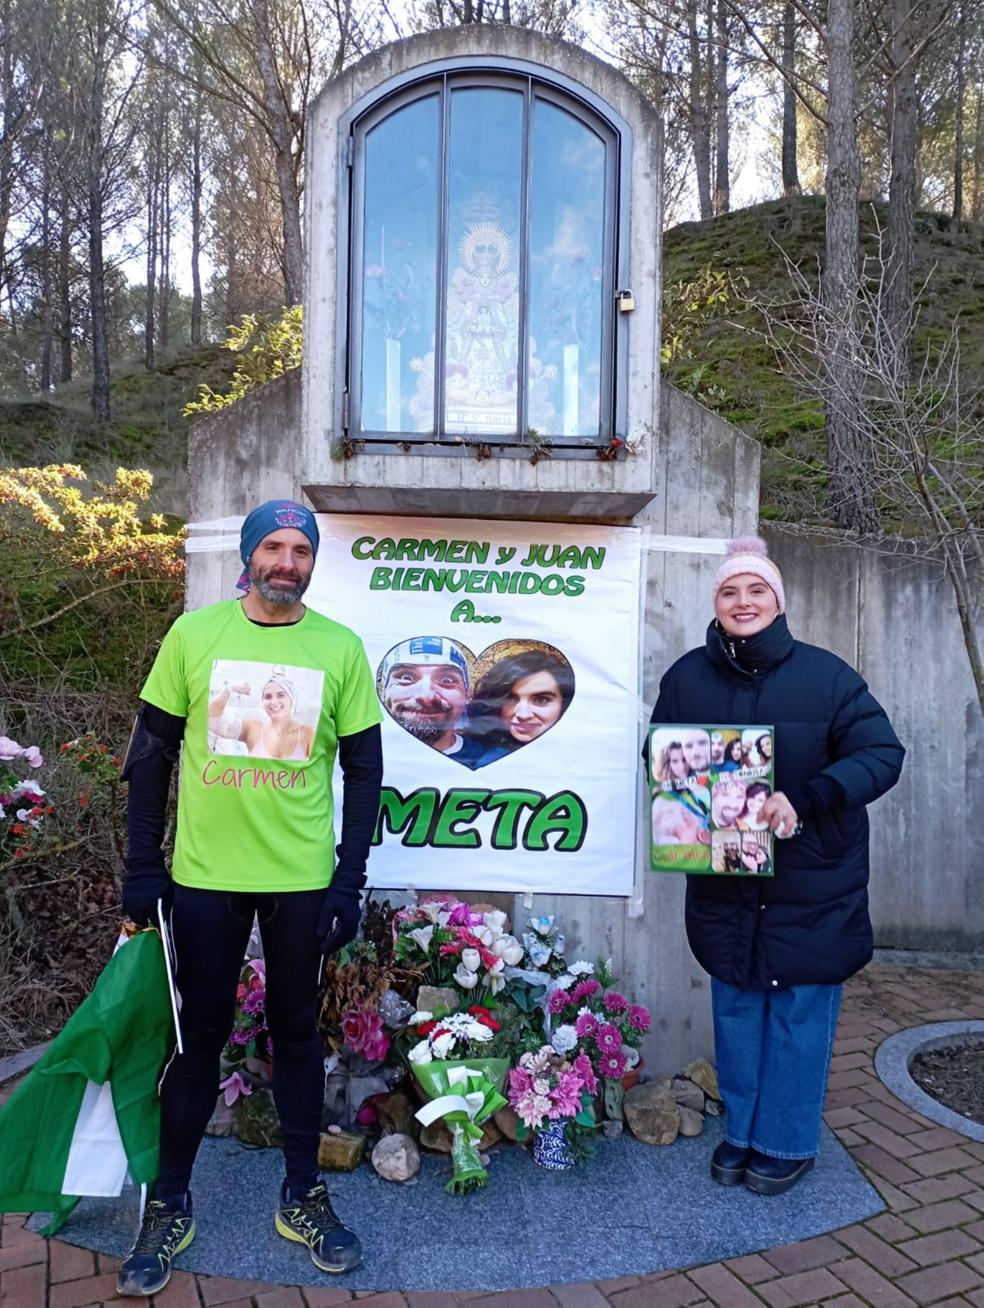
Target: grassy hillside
{"x": 147, "y": 428}
{"x": 736, "y": 372}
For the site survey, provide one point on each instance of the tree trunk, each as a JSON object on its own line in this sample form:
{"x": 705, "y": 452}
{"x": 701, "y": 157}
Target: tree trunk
{"x": 196, "y": 213}
{"x": 282, "y": 136}
{"x": 97, "y": 274}
{"x": 47, "y": 330}
{"x": 65, "y": 286}
{"x": 722, "y": 183}
{"x": 977, "y": 196}
{"x": 7, "y": 133}
{"x": 901, "y": 234}
{"x": 848, "y": 456}
{"x": 153, "y": 204}
{"x": 699, "y": 126}
{"x": 790, "y": 171}
{"x": 958, "y": 127}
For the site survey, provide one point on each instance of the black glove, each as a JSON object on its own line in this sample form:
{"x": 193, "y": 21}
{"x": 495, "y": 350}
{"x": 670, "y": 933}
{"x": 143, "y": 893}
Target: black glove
{"x": 143, "y": 887}
{"x": 338, "y": 918}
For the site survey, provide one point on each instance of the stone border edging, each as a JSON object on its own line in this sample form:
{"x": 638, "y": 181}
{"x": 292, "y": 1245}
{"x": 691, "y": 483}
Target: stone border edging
{"x": 892, "y": 1059}
{"x": 14, "y": 1064}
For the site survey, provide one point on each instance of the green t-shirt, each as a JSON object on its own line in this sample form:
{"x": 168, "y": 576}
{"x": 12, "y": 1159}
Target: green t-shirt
{"x": 264, "y": 707}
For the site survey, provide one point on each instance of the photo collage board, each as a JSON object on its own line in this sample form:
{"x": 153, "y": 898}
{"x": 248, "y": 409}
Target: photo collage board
{"x": 707, "y": 787}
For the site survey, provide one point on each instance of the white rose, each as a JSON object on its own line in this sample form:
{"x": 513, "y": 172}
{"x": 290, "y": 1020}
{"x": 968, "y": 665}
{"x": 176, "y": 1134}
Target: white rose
{"x": 485, "y": 935}
{"x": 464, "y": 977}
{"x": 508, "y": 949}
{"x": 497, "y": 967}
{"x": 472, "y": 959}
{"x": 421, "y": 1015}
{"x": 421, "y": 1053}
{"x": 496, "y": 920}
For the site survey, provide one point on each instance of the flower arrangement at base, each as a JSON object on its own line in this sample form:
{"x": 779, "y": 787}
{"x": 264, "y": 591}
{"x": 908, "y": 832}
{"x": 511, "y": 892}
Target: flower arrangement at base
{"x": 464, "y": 948}
{"x": 551, "y": 1096}
{"x": 588, "y": 1016}
{"x": 456, "y": 1064}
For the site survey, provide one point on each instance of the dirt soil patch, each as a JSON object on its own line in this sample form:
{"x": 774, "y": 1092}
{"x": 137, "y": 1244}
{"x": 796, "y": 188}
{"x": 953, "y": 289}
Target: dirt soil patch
{"x": 954, "y": 1076}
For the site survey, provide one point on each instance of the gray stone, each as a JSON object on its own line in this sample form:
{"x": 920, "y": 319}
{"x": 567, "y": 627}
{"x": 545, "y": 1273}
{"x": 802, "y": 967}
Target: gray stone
{"x": 688, "y": 1094}
{"x": 224, "y": 1119}
{"x": 652, "y": 1115}
{"x": 432, "y": 999}
{"x": 396, "y": 1157}
{"x": 691, "y": 1121}
{"x": 703, "y": 1074}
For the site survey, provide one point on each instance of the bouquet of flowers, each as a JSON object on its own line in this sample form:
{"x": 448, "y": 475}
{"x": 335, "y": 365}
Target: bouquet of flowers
{"x": 22, "y": 803}
{"x": 454, "y": 1061}
{"x": 551, "y": 1095}
{"x": 249, "y": 1038}
{"x": 461, "y": 947}
{"x": 589, "y": 1016}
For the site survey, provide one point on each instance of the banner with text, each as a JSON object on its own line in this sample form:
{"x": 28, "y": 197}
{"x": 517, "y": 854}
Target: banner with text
{"x": 506, "y": 659}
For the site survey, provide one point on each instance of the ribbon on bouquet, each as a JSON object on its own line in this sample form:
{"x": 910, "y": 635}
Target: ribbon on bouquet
{"x": 465, "y": 1098}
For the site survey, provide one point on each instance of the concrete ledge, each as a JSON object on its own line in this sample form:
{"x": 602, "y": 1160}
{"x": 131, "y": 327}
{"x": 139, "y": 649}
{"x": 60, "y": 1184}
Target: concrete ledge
{"x": 15, "y": 1064}
{"x": 615, "y": 507}
{"x": 894, "y": 1057}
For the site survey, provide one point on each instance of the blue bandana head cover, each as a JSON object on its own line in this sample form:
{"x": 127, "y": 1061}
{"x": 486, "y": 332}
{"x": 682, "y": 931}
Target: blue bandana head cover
{"x": 268, "y": 518}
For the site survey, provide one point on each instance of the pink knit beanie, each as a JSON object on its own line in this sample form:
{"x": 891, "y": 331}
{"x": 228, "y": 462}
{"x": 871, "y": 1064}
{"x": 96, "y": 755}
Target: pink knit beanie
{"x": 749, "y": 554}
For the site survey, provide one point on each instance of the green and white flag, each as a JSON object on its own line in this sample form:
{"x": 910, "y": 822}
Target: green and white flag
{"x": 88, "y": 1114}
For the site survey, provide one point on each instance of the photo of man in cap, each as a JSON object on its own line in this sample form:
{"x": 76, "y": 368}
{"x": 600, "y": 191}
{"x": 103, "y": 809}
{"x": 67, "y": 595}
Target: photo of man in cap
{"x": 425, "y": 683}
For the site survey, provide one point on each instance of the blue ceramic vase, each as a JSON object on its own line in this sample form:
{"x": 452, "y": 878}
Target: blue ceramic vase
{"x": 550, "y": 1147}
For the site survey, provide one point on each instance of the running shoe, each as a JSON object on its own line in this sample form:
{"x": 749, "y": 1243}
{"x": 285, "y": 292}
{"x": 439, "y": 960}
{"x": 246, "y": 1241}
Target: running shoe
{"x": 164, "y": 1232}
{"x": 312, "y": 1221}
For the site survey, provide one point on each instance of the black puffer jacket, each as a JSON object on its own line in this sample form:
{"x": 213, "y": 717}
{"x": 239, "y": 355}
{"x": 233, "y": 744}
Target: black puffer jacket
{"x": 835, "y": 752}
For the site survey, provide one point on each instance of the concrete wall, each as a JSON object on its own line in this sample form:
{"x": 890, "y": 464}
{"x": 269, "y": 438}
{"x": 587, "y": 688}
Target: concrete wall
{"x": 893, "y": 617}
{"x": 691, "y": 475}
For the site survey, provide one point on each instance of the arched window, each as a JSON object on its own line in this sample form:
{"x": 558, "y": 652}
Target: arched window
{"x": 484, "y": 228}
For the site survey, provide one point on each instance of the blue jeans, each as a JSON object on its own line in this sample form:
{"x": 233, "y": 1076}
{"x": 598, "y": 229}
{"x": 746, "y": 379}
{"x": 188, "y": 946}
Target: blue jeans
{"x": 773, "y": 1050}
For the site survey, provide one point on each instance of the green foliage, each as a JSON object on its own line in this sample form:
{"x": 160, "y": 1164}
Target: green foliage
{"x": 717, "y": 350}
{"x": 264, "y": 350}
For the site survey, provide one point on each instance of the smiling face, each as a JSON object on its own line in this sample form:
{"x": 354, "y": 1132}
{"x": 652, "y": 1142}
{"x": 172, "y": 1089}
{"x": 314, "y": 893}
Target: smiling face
{"x": 745, "y": 605}
{"x": 677, "y": 763}
{"x": 753, "y": 805}
{"x": 276, "y": 702}
{"x": 533, "y": 706}
{"x": 281, "y": 565}
{"x": 427, "y": 699}
{"x": 697, "y": 749}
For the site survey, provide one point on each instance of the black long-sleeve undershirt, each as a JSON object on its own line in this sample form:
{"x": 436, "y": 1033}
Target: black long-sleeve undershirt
{"x": 361, "y": 759}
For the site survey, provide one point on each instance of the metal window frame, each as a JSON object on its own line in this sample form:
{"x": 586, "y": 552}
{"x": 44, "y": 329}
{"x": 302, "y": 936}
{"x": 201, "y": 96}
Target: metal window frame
{"x": 440, "y": 78}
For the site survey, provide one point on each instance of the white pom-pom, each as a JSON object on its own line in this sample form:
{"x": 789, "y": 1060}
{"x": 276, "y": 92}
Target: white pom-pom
{"x": 748, "y": 545}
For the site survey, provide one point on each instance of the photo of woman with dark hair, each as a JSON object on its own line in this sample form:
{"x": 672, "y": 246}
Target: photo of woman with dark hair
{"x": 518, "y": 700}
{"x": 750, "y": 818}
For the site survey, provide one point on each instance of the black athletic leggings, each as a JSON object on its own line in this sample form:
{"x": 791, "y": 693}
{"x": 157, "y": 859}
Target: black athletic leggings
{"x": 210, "y": 930}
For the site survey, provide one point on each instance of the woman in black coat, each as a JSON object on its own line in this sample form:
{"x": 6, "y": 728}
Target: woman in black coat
{"x": 778, "y": 949}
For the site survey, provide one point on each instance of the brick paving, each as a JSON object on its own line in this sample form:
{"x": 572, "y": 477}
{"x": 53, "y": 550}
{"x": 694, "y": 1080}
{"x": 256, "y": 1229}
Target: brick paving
{"x": 928, "y": 1248}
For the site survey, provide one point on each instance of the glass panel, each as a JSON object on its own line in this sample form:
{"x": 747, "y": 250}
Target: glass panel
{"x": 399, "y": 267}
{"x": 485, "y": 167}
{"x": 566, "y": 277}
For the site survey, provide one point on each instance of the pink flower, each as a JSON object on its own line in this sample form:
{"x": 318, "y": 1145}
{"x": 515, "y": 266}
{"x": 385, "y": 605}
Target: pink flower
{"x": 366, "y": 1116}
{"x": 9, "y": 749}
{"x": 586, "y": 1025}
{"x": 532, "y": 1108}
{"x": 462, "y": 915}
{"x": 638, "y": 1017}
{"x": 567, "y": 1095}
{"x": 613, "y": 1066}
{"x": 558, "y": 1001}
{"x": 582, "y": 1066}
{"x": 614, "y": 1002}
{"x": 234, "y": 1086}
{"x": 520, "y": 1083}
{"x": 364, "y": 1034}
{"x": 608, "y": 1038}
{"x": 584, "y": 990}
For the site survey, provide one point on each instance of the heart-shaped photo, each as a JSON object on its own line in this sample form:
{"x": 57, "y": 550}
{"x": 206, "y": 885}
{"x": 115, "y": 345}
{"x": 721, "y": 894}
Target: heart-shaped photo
{"x": 475, "y": 709}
